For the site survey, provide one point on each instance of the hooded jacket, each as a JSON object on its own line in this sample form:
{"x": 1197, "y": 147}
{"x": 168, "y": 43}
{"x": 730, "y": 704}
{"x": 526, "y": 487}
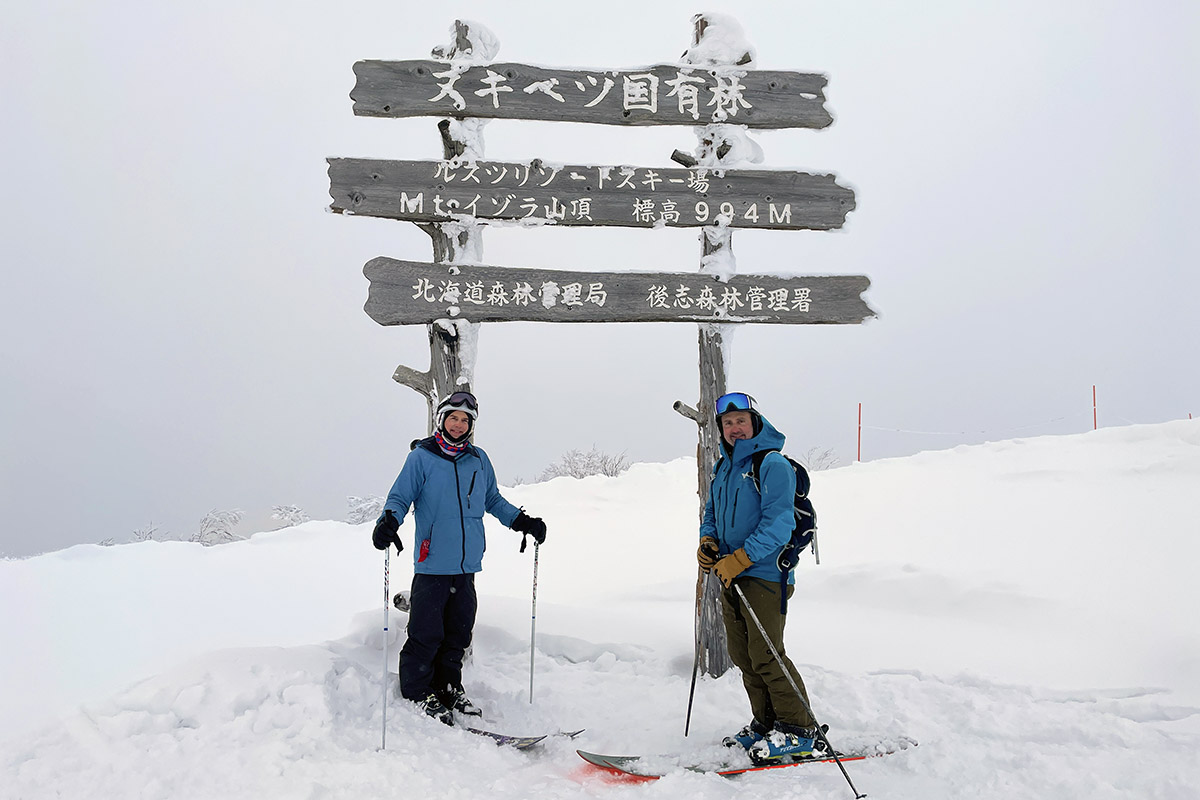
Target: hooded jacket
{"x": 448, "y": 495}
{"x": 738, "y": 516}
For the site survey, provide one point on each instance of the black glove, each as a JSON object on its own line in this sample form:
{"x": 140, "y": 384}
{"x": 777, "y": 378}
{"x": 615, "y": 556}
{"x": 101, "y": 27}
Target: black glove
{"x": 706, "y": 555}
{"x": 530, "y": 526}
{"x": 385, "y": 532}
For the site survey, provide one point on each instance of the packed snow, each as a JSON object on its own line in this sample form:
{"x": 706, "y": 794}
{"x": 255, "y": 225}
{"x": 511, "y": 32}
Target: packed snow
{"x": 1023, "y": 609}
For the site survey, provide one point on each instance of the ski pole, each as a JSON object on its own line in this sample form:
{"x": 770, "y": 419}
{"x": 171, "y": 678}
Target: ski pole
{"x": 699, "y": 641}
{"x": 788, "y": 674}
{"x": 387, "y": 555}
{"x": 533, "y": 620}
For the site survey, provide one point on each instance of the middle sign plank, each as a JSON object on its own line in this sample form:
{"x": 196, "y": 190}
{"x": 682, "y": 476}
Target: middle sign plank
{"x": 624, "y": 196}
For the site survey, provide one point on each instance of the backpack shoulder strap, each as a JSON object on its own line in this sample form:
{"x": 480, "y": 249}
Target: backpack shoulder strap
{"x": 803, "y": 483}
{"x": 716, "y": 466}
{"x": 756, "y": 461}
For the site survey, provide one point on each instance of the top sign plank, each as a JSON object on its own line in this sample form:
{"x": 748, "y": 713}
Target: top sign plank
{"x": 678, "y": 94}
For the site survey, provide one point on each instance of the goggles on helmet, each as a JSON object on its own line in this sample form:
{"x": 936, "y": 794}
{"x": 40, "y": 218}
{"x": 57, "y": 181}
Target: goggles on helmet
{"x": 735, "y": 401}
{"x": 460, "y": 399}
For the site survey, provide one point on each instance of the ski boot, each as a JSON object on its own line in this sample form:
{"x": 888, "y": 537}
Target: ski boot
{"x": 785, "y": 743}
{"x": 747, "y": 736}
{"x": 456, "y": 700}
{"x": 402, "y": 601}
{"x": 433, "y": 707}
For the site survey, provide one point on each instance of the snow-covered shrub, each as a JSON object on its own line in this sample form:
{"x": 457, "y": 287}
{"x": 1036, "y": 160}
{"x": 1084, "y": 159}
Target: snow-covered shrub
{"x": 819, "y": 458}
{"x": 289, "y": 515}
{"x": 578, "y": 464}
{"x": 364, "y": 509}
{"x": 145, "y": 534}
{"x": 217, "y": 527}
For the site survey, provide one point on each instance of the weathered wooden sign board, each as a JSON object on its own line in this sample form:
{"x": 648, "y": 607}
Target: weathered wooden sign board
{"x": 677, "y": 94}
{"x": 625, "y": 196}
{"x": 412, "y": 293}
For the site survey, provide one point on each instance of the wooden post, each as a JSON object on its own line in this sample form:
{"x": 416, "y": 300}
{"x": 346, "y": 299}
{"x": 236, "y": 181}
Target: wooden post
{"x": 716, "y": 246}
{"x": 453, "y": 243}
{"x": 714, "y": 660}
{"x": 859, "y": 432}
{"x": 1095, "y": 421}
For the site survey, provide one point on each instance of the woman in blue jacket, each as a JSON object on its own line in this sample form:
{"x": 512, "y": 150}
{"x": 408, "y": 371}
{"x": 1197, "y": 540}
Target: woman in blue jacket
{"x": 745, "y": 528}
{"x": 449, "y": 483}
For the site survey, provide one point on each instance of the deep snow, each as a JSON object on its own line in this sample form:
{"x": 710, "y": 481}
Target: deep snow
{"x": 1021, "y": 608}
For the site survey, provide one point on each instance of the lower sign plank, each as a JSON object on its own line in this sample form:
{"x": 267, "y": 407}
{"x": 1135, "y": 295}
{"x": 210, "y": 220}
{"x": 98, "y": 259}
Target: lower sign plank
{"x": 417, "y": 293}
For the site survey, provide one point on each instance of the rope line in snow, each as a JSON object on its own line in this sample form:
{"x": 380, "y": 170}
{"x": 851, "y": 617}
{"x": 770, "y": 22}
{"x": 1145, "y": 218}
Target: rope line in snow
{"x": 990, "y": 431}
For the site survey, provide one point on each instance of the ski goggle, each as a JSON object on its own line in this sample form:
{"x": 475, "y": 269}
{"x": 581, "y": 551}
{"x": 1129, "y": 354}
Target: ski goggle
{"x": 734, "y": 401}
{"x": 460, "y": 399}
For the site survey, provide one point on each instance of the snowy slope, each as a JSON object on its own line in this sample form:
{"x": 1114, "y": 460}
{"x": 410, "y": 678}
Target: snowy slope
{"x": 1022, "y": 608}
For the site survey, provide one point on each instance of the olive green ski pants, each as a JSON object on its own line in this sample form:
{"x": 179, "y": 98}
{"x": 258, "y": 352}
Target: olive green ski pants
{"x": 771, "y": 696}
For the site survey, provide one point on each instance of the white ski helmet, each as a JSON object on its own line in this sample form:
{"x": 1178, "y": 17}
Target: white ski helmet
{"x": 458, "y": 401}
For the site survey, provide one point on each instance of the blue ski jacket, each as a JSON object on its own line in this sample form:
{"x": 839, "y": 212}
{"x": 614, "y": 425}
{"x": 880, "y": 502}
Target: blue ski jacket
{"x": 738, "y": 516}
{"x": 448, "y": 496}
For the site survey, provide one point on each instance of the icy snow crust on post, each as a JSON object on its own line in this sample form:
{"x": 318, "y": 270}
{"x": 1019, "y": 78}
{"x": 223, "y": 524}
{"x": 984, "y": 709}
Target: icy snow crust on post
{"x": 722, "y": 44}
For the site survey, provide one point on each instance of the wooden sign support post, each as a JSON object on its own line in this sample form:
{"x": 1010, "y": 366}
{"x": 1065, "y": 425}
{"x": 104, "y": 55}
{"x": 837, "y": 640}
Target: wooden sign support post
{"x": 448, "y": 339}
{"x": 716, "y": 246}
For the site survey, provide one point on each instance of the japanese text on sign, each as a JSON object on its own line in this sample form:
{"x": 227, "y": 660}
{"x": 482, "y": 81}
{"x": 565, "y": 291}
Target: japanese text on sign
{"x": 549, "y": 294}
{"x": 719, "y": 95}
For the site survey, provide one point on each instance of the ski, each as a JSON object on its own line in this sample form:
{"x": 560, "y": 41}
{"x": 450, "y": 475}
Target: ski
{"x": 504, "y": 740}
{"x": 519, "y": 742}
{"x": 643, "y": 768}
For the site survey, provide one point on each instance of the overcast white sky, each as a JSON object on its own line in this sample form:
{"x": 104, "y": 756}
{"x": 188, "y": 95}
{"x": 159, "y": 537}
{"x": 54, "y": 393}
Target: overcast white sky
{"x": 179, "y": 315}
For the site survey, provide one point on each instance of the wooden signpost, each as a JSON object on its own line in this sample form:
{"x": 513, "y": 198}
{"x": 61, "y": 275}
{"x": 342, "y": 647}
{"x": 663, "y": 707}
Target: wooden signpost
{"x": 454, "y": 199}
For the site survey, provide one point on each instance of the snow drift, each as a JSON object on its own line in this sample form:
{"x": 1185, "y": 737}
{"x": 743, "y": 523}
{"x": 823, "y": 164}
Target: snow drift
{"x": 1021, "y": 608}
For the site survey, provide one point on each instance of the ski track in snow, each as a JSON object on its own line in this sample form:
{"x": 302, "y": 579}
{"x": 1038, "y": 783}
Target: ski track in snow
{"x": 1000, "y": 674}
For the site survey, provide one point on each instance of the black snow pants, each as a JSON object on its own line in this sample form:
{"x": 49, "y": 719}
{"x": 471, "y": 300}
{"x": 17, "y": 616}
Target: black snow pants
{"x": 440, "y": 621}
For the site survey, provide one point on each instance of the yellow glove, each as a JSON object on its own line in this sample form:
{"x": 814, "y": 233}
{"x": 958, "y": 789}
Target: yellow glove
{"x": 706, "y": 556}
{"x": 731, "y": 566}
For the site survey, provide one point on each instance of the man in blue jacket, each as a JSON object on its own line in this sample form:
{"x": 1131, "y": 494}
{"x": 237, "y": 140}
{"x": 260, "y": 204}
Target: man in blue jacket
{"x": 744, "y": 529}
{"x": 449, "y": 483}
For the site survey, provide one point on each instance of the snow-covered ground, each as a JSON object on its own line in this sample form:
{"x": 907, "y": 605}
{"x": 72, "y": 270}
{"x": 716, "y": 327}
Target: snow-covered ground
{"x": 1023, "y": 609}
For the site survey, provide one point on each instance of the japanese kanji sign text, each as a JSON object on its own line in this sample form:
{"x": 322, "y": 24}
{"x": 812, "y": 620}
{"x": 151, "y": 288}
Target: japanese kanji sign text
{"x": 681, "y": 94}
{"x": 638, "y": 197}
{"x": 410, "y": 293}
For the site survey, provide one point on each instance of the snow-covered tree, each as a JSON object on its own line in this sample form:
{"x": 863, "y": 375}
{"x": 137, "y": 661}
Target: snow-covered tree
{"x": 289, "y": 515}
{"x": 217, "y": 527}
{"x": 578, "y": 464}
{"x": 364, "y": 509}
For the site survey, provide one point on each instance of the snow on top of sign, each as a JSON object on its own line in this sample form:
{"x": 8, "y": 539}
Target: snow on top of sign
{"x": 482, "y": 48}
{"x": 722, "y": 43}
